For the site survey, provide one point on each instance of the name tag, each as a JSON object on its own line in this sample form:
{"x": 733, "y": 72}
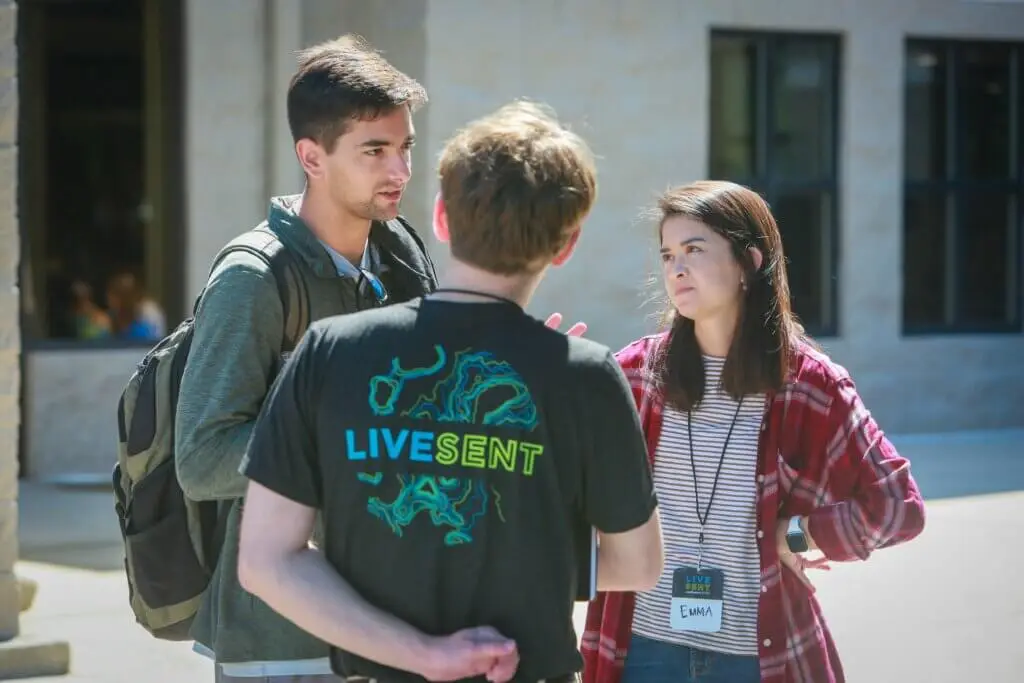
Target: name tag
{"x": 696, "y": 600}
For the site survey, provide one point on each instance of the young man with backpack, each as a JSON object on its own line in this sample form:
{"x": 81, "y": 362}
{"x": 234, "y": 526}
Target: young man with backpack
{"x": 339, "y": 247}
{"x": 455, "y": 447}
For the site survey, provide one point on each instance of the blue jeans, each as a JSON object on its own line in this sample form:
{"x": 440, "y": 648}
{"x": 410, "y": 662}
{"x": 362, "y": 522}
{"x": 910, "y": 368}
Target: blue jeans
{"x": 652, "y": 661}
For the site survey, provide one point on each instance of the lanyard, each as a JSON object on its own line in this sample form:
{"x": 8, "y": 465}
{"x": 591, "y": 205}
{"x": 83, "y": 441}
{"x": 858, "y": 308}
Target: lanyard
{"x": 703, "y": 519}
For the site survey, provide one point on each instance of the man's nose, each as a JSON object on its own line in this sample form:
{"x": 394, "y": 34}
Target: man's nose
{"x": 401, "y": 168}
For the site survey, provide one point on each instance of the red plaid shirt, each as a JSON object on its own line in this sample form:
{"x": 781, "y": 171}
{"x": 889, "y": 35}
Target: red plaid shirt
{"x": 823, "y": 452}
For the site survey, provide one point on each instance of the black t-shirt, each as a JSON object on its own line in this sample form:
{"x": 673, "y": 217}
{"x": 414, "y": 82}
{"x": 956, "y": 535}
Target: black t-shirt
{"x": 458, "y": 452}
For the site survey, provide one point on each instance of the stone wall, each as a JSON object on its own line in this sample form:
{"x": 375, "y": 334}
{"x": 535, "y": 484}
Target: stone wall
{"x": 10, "y": 338}
{"x": 634, "y": 79}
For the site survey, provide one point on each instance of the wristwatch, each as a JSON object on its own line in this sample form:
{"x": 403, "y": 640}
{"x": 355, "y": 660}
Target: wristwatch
{"x": 795, "y": 537}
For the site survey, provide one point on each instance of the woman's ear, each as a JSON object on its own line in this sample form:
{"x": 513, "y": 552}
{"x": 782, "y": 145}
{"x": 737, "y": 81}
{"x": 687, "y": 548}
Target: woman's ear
{"x": 756, "y": 258}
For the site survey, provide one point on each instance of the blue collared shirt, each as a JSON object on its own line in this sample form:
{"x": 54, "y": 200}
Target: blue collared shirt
{"x": 344, "y": 266}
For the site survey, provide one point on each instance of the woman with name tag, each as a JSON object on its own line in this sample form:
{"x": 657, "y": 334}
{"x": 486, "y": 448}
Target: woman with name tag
{"x": 761, "y": 450}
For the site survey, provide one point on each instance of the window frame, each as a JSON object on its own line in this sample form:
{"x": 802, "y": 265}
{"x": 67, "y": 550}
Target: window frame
{"x": 163, "y": 164}
{"x": 953, "y": 188}
{"x": 767, "y": 183}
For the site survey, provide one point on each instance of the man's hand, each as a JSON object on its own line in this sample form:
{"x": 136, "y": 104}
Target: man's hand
{"x": 555, "y": 319}
{"x": 796, "y": 562}
{"x": 480, "y": 651}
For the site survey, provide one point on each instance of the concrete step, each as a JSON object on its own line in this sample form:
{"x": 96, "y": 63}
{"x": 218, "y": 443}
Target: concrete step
{"x": 30, "y": 657}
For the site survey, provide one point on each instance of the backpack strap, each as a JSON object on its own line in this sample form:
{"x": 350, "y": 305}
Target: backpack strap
{"x": 292, "y": 287}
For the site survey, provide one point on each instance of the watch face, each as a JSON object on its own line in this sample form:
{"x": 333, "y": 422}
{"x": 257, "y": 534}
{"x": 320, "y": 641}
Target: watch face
{"x": 794, "y": 526}
{"x": 797, "y": 542}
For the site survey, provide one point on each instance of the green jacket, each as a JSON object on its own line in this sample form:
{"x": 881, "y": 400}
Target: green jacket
{"x": 236, "y": 348}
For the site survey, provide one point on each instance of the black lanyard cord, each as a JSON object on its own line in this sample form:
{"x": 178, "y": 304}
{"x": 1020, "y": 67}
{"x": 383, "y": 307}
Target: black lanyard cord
{"x": 693, "y": 467}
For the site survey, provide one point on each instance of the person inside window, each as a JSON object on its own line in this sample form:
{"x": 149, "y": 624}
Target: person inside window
{"x": 89, "y": 319}
{"x": 133, "y": 313}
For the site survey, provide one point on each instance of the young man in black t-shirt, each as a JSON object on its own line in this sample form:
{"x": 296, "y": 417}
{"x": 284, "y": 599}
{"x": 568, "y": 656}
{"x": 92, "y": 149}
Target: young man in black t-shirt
{"x": 457, "y": 448}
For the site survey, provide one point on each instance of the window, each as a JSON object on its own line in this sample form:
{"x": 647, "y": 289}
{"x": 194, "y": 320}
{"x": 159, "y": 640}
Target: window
{"x": 99, "y": 177}
{"x": 774, "y": 127}
{"x": 963, "y": 187}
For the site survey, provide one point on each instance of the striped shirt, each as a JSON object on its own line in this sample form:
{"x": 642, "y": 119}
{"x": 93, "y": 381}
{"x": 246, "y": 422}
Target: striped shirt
{"x": 730, "y": 543}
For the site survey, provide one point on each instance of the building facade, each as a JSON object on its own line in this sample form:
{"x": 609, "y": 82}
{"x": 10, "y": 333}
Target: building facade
{"x": 9, "y": 330}
{"x": 888, "y": 137}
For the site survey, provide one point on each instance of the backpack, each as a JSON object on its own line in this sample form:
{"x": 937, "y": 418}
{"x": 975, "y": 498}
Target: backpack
{"x": 172, "y": 543}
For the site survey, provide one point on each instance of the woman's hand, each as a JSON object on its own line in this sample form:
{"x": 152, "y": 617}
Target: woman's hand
{"x": 797, "y": 563}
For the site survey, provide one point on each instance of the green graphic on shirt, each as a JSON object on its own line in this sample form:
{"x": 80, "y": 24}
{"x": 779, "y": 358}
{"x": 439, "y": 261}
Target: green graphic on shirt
{"x": 469, "y": 387}
{"x": 392, "y": 384}
{"x": 457, "y": 397}
{"x": 449, "y": 502}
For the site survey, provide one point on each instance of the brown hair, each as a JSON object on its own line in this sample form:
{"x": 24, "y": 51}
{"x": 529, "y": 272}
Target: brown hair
{"x": 343, "y": 80}
{"x": 766, "y": 330}
{"x": 516, "y": 185}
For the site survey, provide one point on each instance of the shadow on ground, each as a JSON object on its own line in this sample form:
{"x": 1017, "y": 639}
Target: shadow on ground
{"x": 75, "y": 526}
{"x": 83, "y": 556}
{"x": 71, "y": 526}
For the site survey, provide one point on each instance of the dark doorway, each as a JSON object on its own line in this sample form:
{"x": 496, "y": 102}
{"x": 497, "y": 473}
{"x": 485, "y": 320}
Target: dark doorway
{"x": 100, "y": 172}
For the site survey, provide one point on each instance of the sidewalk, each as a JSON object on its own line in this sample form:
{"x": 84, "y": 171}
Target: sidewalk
{"x": 71, "y": 546}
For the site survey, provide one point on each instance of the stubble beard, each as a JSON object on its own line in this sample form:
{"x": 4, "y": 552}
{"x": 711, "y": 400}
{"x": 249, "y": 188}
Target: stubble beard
{"x": 374, "y": 211}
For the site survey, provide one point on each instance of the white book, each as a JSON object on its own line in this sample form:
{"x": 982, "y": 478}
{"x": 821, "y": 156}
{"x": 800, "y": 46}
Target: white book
{"x": 593, "y": 563}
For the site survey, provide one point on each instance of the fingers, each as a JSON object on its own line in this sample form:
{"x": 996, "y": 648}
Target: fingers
{"x": 495, "y": 650}
{"x": 817, "y": 563}
{"x": 497, "y": 654}
{"x": 555, "y": 319}
{"x": 497, "y": 660}
{"x": 795, "y": 564}
{"x": 472, "y": 652}
{"x": 577, "y": 330}
{"x": 489, "y": 643}
{"x": 503, "y": 668}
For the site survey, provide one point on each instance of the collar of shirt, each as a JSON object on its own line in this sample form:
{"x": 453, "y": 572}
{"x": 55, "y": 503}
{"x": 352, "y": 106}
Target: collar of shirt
{"x": 344, "y": 266}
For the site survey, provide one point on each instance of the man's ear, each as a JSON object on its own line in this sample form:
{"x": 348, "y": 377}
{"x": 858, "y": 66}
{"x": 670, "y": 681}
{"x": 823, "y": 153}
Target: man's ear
{"x": 440, "y": 220}
{"x": 311, "y": 157}
{"x": 567, "y": 250}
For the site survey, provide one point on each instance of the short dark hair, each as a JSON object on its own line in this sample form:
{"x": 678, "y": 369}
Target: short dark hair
{"x": 767, "y": 329}
{"x": 342, "y": 80}
{"x": 516, "y": 185}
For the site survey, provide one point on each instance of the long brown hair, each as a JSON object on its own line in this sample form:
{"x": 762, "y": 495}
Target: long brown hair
{"x": 766, "y": 329}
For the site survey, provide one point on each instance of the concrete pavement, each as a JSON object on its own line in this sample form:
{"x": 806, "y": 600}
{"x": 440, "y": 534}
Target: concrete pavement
{"x": 946, "y": 608}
